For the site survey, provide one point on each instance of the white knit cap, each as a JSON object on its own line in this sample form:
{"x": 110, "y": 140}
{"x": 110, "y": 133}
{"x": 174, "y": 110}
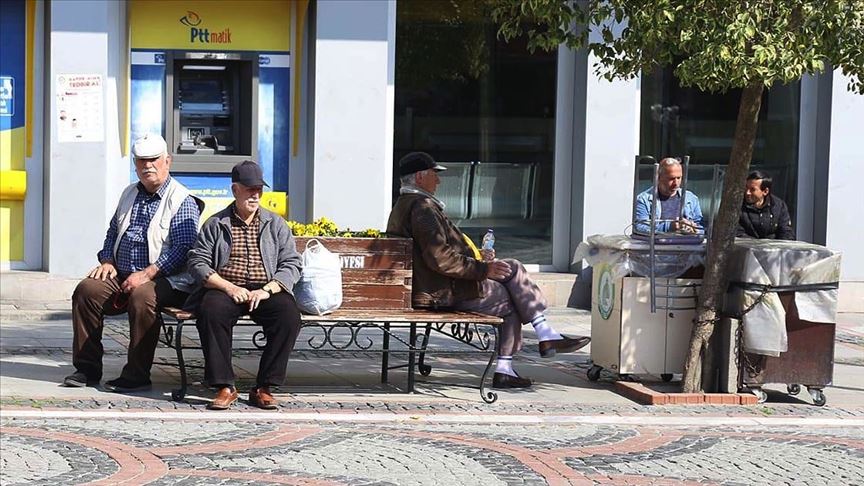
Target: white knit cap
{"x": 150, "y": 146}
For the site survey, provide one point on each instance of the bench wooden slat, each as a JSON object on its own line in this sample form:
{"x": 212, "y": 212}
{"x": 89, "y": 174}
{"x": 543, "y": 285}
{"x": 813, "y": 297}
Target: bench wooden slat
{"x": 416, "y": 315}
{"x": 375, "y": 315}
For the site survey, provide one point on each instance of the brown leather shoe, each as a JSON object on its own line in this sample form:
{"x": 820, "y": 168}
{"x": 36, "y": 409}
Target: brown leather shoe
{"x": 262, "y": 398}
{"x": 566, "y": 344}
{"x": 503, "y": 380}
{"x": 224, "y": 398}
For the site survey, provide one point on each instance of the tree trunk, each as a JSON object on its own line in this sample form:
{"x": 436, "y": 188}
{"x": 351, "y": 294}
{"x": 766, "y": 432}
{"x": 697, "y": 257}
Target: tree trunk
{"x": 723, "y": 232}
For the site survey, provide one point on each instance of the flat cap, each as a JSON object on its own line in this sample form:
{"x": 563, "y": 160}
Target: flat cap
{"x": 150, "y": 146}
{"x": 417, "y": 161}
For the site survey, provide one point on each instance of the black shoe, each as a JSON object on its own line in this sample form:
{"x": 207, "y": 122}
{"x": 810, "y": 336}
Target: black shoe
{"x": 79, "y": 379}
{"x": 566, "y": 344}
{"x": 502, "y": 380}
{"x": 126, "y": 385}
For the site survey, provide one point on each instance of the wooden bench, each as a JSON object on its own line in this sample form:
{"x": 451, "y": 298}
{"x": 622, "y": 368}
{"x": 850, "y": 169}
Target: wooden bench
{"x": 376, "y": 287}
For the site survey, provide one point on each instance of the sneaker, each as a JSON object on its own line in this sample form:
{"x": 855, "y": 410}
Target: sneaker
{"x": 79, "y": 379}
{"x": 126, "y": 385}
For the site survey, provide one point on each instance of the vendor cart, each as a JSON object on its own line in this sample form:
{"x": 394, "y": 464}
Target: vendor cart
{"x": 784, "y": 296}
{"x": 640, "y": 328}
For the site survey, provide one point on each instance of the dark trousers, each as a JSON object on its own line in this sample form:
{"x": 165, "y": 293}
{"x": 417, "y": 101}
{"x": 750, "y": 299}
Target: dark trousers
{"x": 217, "y": 315}
{"x": 94, "y": 299}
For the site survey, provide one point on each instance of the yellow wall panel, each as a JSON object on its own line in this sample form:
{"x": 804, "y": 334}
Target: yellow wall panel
{"x": 12, "y": 144}
{"x": 12, "y": 149}
{"x": 11, "y": 231}
{"x": 250, "y": 25}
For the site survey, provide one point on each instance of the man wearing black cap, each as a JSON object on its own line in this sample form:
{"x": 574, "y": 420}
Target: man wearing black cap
{"x": 245, "y": 262}
{"x": 446, "y": 273}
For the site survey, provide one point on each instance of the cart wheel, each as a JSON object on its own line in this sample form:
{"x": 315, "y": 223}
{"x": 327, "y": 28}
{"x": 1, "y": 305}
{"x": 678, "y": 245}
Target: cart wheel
{"x": 793, "y": 389}
{"x": 817, "y": 396}
{"x": 667, "y": 377}
{"x": 761, "y": 396}
{"x": 177, "y": 395}
{"x": 594, "y": 372}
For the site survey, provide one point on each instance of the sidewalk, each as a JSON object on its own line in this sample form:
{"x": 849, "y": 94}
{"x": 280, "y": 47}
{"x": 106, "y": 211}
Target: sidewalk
{"x": 35, "y": 354}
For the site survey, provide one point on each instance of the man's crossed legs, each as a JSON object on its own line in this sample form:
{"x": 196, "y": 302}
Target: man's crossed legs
{"x": 518, "y": 301}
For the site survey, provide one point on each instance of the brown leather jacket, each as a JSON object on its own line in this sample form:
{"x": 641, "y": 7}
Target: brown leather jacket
{"x": 445, "y": 270}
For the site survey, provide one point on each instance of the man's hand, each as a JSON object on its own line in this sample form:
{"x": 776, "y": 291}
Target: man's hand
{"x": 103, "y": 272}
{"x": 237, "y": 294}
{"x": 684, "y": 225}
{"x": 487, "y": 255}
{"x": 255, "y": 298}
{"x": 135, "y": 280}
{"x": 498, "y": 270}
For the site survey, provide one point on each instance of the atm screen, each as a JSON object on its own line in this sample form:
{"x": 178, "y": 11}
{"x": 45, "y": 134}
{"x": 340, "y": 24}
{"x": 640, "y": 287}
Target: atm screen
{"x": 202, "y": 95}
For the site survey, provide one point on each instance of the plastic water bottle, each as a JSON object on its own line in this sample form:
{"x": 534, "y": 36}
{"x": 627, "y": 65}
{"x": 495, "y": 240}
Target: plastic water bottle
{"x": 488, "y": 240}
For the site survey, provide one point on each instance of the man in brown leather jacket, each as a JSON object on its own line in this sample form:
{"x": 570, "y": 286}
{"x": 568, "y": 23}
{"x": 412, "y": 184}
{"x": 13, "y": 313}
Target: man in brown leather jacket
{"x": 447, "y": 275}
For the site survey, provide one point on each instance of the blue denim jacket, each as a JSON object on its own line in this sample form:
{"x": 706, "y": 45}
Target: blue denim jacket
{"x": 692, "y": 211}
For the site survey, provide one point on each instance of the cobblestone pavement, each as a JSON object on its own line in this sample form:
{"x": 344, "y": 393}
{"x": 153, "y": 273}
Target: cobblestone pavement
{"x": 158, "y": 451}
{"x": 337, "y": 425}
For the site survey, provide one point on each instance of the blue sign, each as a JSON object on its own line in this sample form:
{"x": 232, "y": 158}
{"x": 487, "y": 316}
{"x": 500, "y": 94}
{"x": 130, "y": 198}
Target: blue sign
{"x": 7, "y": 96}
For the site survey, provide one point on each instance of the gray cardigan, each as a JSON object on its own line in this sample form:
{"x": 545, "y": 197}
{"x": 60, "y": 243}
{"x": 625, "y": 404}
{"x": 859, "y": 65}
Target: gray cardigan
{"x": 213, "y": 248}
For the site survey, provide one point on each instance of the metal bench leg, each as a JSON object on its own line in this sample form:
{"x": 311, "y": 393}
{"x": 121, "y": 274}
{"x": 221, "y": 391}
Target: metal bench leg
{"x": 385, "y": 355}
{"x": 486, "y": 395}
{"x": 412, "y": 341}
{"x": 178, "y": 394}
{"x": 425, "y": 369}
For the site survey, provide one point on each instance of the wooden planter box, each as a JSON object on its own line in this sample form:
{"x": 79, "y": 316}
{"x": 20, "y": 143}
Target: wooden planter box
{"x": 376, "y": 272}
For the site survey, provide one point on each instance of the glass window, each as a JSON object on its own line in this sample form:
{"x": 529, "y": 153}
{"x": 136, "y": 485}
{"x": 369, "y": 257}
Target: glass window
{"x": 678, "y": 121}
{"x": 486, "y": 110}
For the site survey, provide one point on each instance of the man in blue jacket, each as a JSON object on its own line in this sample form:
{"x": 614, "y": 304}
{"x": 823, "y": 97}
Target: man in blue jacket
{"x": 245, "y": 262}
{"x": 669, "y": 200}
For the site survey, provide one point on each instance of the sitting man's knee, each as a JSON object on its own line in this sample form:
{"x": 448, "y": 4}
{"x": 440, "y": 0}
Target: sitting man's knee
{"x": 87, "y": 288}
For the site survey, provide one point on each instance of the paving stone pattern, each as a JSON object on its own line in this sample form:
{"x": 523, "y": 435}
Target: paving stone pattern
{"x": 154, "y": 451}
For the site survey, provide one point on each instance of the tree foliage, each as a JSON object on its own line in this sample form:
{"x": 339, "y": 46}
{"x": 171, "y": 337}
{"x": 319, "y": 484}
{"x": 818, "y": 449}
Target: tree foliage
{"x": 713, "y": 44}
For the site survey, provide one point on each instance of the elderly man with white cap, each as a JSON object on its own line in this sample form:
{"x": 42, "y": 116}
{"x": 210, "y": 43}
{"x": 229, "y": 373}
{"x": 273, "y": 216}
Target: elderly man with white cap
{"x": 142, "y": 267}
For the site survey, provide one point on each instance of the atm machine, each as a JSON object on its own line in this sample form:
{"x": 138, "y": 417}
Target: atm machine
{"x": 213, "y": 110}
{"x": 219, "y": 102}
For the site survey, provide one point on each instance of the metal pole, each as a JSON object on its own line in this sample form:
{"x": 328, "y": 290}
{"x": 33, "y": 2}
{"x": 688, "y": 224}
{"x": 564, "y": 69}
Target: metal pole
{"x": 653, "y": 230}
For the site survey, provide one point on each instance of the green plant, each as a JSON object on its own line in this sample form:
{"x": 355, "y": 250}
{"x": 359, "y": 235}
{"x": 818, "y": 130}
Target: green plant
{"x": 327, "y": 228}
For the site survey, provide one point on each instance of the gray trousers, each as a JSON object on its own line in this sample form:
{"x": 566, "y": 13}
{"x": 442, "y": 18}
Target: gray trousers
{"x": 517, "y": 300}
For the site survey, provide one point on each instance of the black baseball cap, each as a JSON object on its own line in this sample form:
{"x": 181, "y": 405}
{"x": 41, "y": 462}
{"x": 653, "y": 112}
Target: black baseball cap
{"x": 417, "y": 161}
{"x": 248, "y": 173}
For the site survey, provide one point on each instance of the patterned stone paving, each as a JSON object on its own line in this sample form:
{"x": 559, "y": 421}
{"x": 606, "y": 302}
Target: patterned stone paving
{"x": 176, "y": 451}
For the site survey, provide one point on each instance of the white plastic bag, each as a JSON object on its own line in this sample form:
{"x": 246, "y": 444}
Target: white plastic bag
{"x": 319, "y": 290}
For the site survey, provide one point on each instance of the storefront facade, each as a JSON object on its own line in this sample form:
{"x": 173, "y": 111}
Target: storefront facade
{"x": 328, "y": 96}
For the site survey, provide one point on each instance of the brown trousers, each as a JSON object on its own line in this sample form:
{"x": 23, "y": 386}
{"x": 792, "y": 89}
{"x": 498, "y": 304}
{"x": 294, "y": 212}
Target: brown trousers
{"x": 94, "y": 299}
{"x": 517, "y": 300}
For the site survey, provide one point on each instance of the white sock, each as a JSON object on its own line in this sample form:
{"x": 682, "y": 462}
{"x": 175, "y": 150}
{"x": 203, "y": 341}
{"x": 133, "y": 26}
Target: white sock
{"x": 543, "y": 329}
{"x": 505, "y": 365}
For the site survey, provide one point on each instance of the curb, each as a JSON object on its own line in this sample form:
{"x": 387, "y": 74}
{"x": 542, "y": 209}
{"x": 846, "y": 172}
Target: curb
{"x": 700, "y": 421}
{"x": 35, "y": 315}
